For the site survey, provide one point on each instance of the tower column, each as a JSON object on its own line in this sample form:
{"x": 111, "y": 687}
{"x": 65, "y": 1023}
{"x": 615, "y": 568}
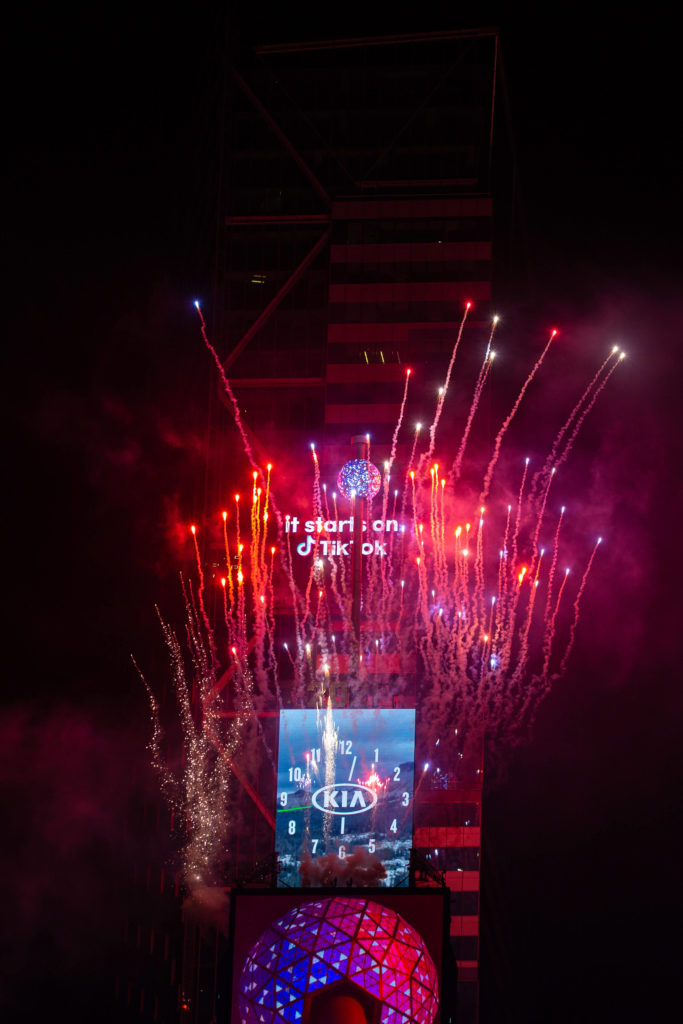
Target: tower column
{"x": 360, "y": 443}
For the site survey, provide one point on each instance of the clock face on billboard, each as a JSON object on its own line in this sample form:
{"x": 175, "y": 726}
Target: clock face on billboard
{"x": 344, "y": 784}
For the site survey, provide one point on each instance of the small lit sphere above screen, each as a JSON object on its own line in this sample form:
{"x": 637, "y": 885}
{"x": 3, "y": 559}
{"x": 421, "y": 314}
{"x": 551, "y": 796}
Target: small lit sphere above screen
{"x": 330, "y": 942}
{"x": 361, "y": 477}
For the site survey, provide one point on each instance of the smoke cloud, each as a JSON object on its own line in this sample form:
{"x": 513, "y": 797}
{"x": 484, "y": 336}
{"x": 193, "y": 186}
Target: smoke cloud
{"x": 208, "y": 905}
{"x": 359, "y": 869}
{"x": 72, "y": 780}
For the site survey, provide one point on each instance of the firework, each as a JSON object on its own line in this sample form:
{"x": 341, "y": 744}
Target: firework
{"x": 459, "y": 605}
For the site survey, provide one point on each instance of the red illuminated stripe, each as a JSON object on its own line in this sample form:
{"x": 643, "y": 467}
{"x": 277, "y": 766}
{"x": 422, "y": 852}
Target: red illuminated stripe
{"x": 407, "y": 252}
{"x": 411, "y": 291}
{"x": 467, "y": 970}
{"x": 448, "y": 835}
{"x": 388, "y": 333}
{"x": 468, "y": 925}
{"x": 359, "y": 373}
{"x": 452, "y": 796}
{"x": 377, "y": 209}
{"x": 462, "y": 881}
{"x": 376, "y": 413}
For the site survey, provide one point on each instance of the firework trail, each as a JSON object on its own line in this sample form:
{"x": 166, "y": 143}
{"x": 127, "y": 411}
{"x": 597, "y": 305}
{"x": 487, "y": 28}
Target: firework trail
{"x": 518, "y": 517}
{"x": 394, "y": 439}
{"x": 523, "y": 653}
{"x": 577, "y": 602}
{"x": 501, "y": 433}
{"x": 410, "y": 474}
{"x": 238, "y": 419}
{"x": 454, "y": 474}
{"x": 539, "y": 519}
{"x": 169, "y": 785}
{"x": 444, "y": 390}
{"x": 228, "y": 390}
{"x": 550, "y": 629}
{"x": 552, "y": 456}
{"x": 200, "y": 592}
{"x": 317, "y": 494}
{"x": 568, "y": 446}
{"x": 553, "y": 565}
{"x": 228, "y": 561}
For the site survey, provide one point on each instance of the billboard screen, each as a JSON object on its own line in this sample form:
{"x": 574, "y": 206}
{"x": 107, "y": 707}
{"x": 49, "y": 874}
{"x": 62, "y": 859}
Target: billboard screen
{"x": 345, "y": 794}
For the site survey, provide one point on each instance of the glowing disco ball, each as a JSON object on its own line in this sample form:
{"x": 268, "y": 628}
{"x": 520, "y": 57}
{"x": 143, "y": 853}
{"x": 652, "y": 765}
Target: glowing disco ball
{"x": 339, "y": 944}
{"x": 360, "y": 476}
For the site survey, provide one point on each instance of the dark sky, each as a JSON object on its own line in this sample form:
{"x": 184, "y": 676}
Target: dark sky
{"x": 112, "y": 126}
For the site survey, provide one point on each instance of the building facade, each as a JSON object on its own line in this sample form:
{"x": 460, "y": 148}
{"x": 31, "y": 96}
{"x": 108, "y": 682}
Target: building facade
{"x": 359, "y": 221}
{"x": 356, "y": 223}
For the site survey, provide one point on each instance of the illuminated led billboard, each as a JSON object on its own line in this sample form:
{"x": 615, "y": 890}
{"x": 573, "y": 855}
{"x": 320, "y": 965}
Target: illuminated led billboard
{"x": 344, "y": 806}
{"x": 376, "y": 957}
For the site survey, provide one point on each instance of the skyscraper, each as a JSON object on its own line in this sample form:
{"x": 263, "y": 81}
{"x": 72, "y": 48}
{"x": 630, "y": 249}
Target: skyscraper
{"x": 358, "y": 223}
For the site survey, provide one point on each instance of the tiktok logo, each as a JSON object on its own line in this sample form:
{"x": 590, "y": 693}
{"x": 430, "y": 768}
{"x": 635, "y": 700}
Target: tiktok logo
{"x": 338, "y": 547}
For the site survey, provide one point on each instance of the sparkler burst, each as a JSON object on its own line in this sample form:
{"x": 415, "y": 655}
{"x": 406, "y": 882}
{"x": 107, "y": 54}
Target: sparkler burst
{"x": 200, "y": 793}
{"x": 462, "y": 611}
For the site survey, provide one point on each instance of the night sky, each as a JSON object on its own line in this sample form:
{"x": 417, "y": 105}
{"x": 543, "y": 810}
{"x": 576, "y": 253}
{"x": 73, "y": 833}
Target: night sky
{"x": 112, "y": 123}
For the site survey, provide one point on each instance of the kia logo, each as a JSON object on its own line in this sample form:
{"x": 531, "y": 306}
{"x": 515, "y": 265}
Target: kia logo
{"x": 344, "y": 798}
